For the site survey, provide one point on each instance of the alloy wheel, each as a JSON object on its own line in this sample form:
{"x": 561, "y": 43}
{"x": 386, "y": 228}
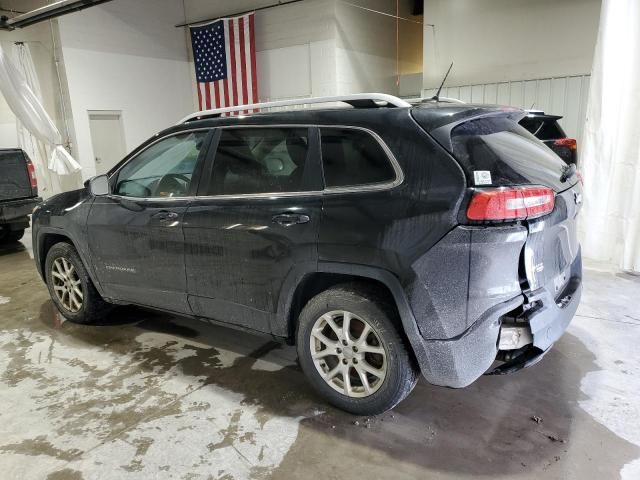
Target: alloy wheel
{"x": 348, "y": 354}
{"x": 67, "y": 285}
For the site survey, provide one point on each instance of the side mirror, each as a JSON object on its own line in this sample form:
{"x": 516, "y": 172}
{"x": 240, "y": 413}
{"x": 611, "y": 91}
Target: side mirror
{"x": 99, "y": 185}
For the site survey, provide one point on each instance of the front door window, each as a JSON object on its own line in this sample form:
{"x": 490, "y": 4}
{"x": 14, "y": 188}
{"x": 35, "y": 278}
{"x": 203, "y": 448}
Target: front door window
{"x": 164, "y": 170}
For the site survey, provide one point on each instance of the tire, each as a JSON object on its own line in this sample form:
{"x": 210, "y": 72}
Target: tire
{"x": 12, "y": 236}
{"x": 396, "y": 371}
{"x": 63, "y": 259}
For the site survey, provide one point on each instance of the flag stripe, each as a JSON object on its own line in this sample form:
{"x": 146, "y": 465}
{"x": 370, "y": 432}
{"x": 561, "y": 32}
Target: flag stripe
{"x": 226, "y": 82}
{"x": 252, "y": 55}
{"x": 237, "y": 84}
{"x": 207, "y": 95}
{"x": 216, "y": 96}
{"x": 243, "y": 61}
{"x": 231, "y": 75}
{"x": 247, "y": 61}
{"x": 199, "y": 88}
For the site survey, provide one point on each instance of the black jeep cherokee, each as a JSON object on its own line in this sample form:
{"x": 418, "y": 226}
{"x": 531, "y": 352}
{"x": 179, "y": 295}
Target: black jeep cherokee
{"x": 383, "y": 240}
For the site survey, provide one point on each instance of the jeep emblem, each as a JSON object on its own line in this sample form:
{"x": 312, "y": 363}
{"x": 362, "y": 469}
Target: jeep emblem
{"x": 578, "y": 198}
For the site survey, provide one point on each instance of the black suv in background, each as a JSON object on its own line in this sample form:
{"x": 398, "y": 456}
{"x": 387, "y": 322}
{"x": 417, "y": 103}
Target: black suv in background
{"x": 546, "y": 128}
{"x": 383, "y": 240}
{"x": 18, "y": 193}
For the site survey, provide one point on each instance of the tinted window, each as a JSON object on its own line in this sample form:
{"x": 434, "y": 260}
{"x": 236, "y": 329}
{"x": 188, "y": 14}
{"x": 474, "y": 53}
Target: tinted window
{"x": 164, "y": 169}
{"x": 543, "y": 128}
{"x": 510, "y": 154}
{"x": 260, "y": 160}
{"x": 353, "y": 157}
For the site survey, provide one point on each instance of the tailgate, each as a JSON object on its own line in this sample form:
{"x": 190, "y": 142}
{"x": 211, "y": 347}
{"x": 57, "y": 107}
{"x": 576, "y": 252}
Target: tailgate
{"x": 14, "y": 176}
{"x": 552, "y": 244}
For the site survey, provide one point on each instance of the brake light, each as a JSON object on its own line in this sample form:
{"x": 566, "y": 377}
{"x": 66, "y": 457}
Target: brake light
{"x": 570, "y": 143}
{"x": 32, "y": 174}
{"x": 510, "y": 203}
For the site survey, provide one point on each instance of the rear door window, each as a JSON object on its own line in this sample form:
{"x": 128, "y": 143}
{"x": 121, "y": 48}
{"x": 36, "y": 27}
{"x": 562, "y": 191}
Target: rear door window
{"x": 260, "y": 160}
{"x": 353, "y": 157}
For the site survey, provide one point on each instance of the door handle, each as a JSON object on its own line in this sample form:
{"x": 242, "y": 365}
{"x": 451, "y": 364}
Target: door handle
{"x": 289, "y": 219}
{"x": 165, "y": 216}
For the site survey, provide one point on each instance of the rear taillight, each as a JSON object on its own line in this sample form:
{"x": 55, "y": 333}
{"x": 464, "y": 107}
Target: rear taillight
{"x": 32, "y": 174}
{"x": 570, "y": 143}
{"x": 510, "y": 203}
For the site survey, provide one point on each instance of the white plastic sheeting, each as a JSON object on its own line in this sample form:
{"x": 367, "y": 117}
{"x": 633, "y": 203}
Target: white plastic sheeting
{"x": 611, "y": 152}
{"x": 28, "y": 109}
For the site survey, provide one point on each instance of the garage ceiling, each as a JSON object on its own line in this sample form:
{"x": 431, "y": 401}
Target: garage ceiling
{"x": 19, "y": 14}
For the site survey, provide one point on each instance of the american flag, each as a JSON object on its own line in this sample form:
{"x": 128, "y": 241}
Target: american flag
{"x": 224, "y": 54}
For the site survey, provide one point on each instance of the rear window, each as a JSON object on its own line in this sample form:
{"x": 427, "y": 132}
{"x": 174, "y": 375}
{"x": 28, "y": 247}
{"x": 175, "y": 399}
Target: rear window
{"x": 497, "y": 151}
{"x": 353, "y": 157}
{"x": 543, "y": 128}
{"x": 14, "y": 178}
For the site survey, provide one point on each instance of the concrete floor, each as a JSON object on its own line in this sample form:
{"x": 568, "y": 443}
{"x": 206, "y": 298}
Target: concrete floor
{"x": 151, "y": 396}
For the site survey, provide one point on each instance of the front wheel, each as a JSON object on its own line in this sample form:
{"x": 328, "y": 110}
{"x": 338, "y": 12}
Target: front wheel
{"x": 351, "y": 351}
{"x": 70, "y": 287}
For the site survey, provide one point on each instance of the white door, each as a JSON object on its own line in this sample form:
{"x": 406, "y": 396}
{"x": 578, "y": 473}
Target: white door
{"x": 107, "y": 137}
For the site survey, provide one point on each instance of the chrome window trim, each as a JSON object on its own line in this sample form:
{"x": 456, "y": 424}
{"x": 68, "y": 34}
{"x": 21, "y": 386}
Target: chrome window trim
{"x": 362, "y": 188}
{"x": 369, "y": 186}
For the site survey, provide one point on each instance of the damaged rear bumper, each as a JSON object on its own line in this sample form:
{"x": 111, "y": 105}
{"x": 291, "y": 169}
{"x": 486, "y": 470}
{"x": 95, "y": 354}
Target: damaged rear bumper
{"x": 459, "y": 361}
{"x": 547, "y": 321}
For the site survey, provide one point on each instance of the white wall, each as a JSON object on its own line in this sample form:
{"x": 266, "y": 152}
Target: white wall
{"x": 514, "y": 52}
{"x": 506, "y": 40}
{"x": 126, "y": 56}
{"x": 367, "y": 57}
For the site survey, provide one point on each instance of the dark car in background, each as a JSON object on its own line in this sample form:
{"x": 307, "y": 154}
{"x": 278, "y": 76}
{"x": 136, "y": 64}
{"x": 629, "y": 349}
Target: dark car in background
{"x": 18, "y": 193}
{"x": 383, "y": 240}
{"x": 548, "y": 130}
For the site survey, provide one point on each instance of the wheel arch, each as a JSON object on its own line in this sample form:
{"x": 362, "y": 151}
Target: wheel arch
{"x": 330, "y": 274}
{"x": 47, "y": 239}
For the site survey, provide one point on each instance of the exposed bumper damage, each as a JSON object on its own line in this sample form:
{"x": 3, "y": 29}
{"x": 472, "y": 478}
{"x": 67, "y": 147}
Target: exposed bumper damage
{"x": 457, "y": 362}
{"x": 546, "y": 321}
{"x": 534, "y": 319}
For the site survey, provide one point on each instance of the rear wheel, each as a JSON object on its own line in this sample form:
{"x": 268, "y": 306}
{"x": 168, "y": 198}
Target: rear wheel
{"x": 70, "y": 287}
{"x": 350, "y": 349}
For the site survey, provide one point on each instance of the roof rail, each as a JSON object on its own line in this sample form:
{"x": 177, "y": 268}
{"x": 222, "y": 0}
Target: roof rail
{"x": 357, "y": 100}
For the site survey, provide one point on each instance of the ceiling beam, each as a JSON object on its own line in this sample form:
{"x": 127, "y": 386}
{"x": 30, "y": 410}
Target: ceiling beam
{"x": 47, "y": 12}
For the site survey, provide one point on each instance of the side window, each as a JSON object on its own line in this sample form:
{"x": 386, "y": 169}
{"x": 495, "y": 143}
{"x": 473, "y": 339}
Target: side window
{"x": 164, "y": 169}
{"x": 353, "y": 157}
{"x": 260, "y": 160}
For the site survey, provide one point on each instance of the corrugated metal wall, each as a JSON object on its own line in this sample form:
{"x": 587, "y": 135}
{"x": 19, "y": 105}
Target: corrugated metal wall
{"x": 566, "y": 96}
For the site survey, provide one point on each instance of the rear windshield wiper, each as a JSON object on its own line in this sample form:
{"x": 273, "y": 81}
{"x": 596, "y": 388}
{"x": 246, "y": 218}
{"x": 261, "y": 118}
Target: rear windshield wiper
{"x": 568, "y": 172}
